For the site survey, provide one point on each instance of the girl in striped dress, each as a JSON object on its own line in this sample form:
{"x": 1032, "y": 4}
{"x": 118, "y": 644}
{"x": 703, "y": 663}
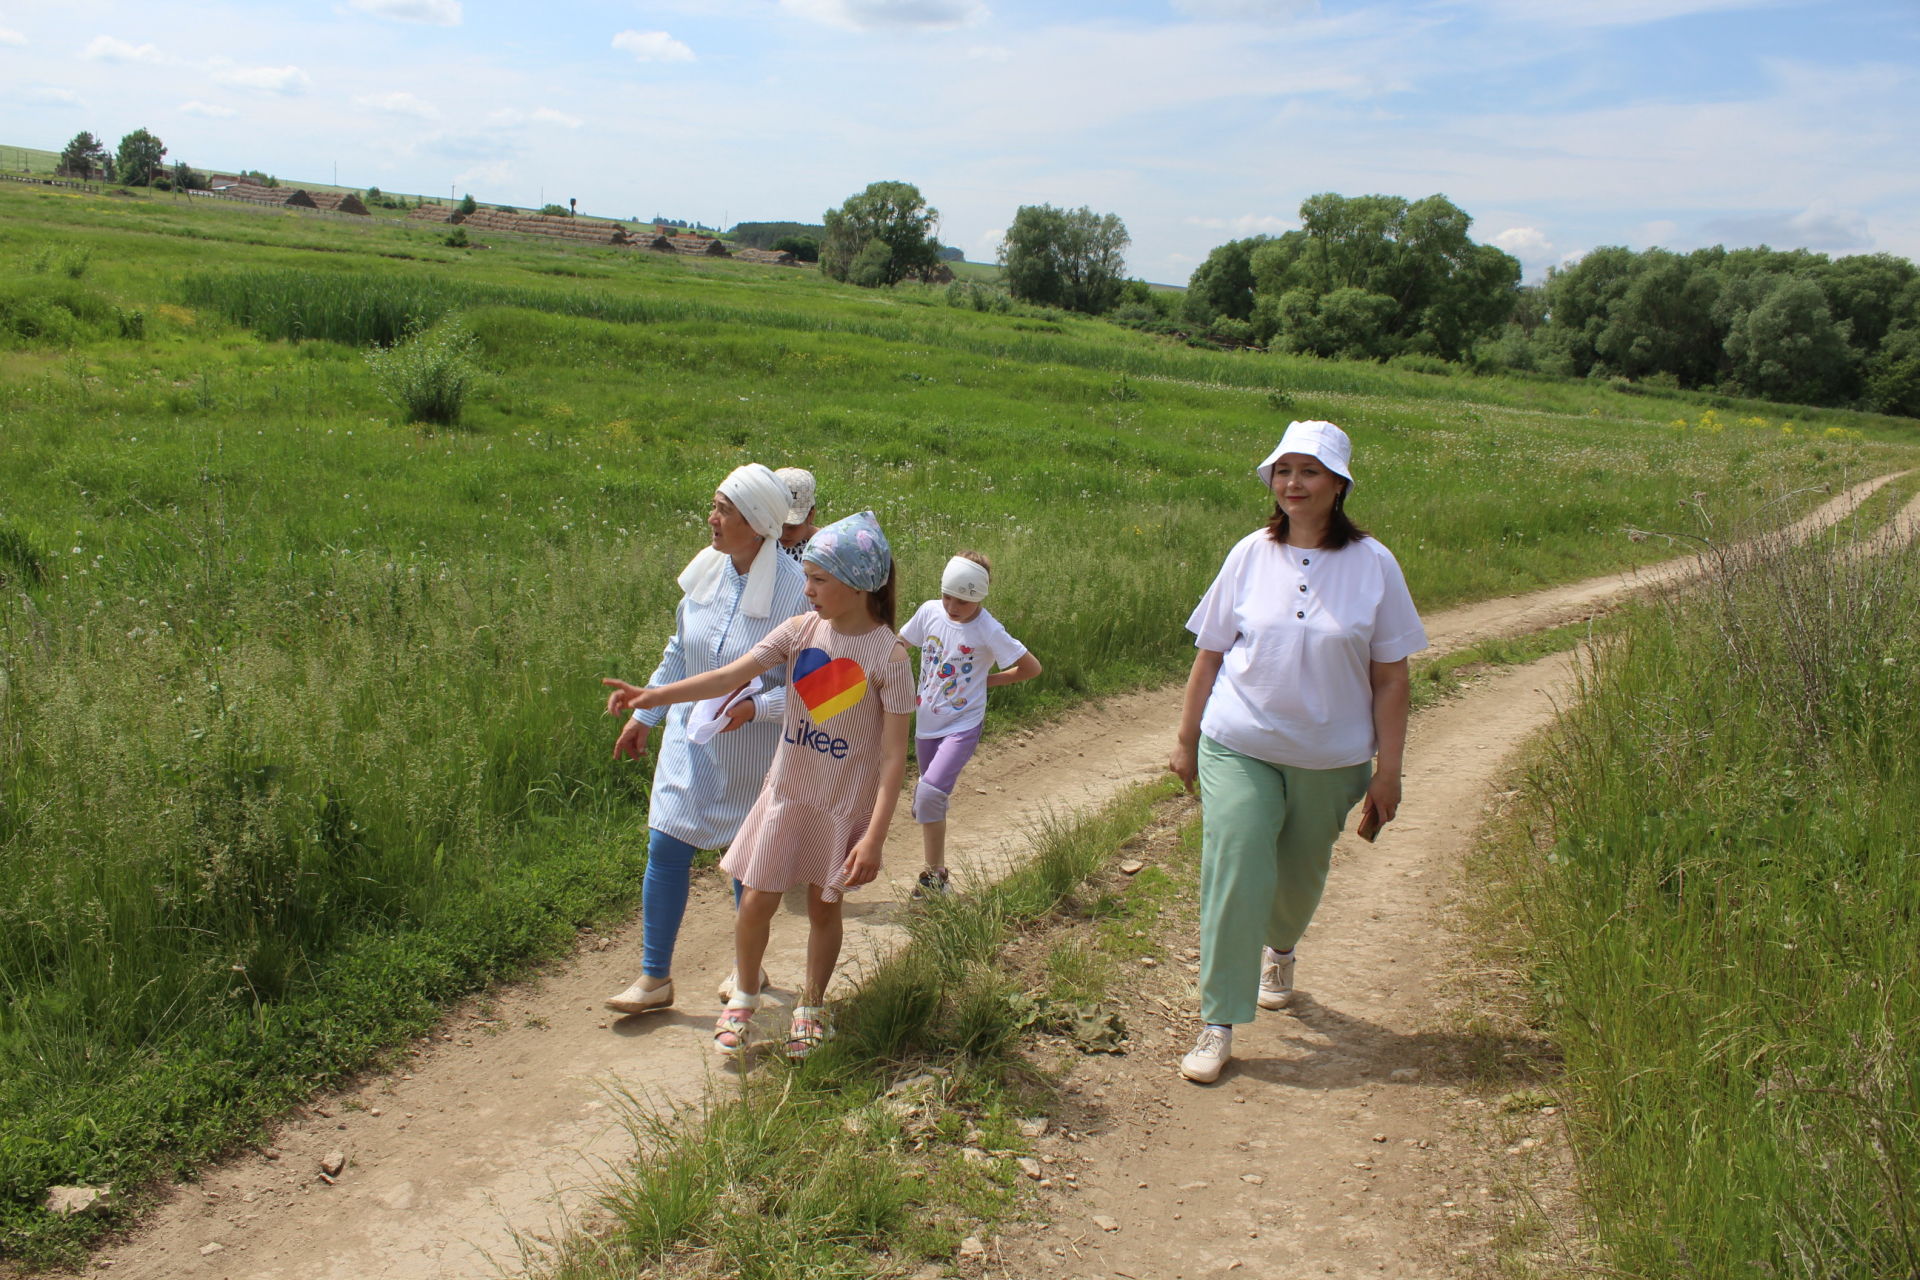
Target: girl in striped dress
{"x": 822, "y": 816}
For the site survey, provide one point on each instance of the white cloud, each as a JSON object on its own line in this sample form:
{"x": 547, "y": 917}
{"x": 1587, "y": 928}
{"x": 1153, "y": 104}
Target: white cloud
{"x": 398, "y": 104}
{"x": 1820, "y": 226}
{"x": 435, "y": 13}
{"x": 207, "y": 110}
{"x": 652, "y": 46}
{"x": 1661, "y": 232}
{"x": 269, "y": 79}
{"x": 547, "y": 115}
{"x": 9, "y": 36}
{"x": 498, "y": 173}
{"x": 50, "y": 94}
{"x": 1525, "y": 243}
{"x": 1612, "y": 13}
{"x": 896, "y": 15}
{"x": 1248, "y": 224}
{"x": 1249, "y": 10}
{"x": 110, "y": 49}
{"x": 990, "y": 53}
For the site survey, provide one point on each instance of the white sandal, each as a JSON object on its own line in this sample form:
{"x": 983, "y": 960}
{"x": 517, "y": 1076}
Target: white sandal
{"x": 734, "y": 1029}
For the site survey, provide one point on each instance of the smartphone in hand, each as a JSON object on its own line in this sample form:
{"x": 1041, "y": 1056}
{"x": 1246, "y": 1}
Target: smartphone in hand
{"x": 1370, "y": 823}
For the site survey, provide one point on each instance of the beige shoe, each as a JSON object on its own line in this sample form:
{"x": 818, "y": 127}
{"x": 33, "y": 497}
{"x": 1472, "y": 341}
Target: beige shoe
{"x": 639, "y": 999}
{"x": 733, "y": 977}
{"x": 1276, "y": 979}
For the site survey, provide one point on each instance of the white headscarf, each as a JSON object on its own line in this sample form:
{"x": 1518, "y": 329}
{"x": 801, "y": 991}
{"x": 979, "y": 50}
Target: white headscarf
{"x": 761, "y": 498}
{"x": 964, "y": 580}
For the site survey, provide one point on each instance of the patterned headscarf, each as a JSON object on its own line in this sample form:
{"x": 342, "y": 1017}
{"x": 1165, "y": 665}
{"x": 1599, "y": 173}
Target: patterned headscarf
{"x": 854, "y": 551}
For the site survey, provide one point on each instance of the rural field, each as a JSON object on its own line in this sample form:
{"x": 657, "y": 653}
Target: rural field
{"x": 300, "y": 731}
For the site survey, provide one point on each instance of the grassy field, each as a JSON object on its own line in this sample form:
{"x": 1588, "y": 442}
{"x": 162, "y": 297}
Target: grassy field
{"x": 299, "y": 712}
{"x": 1718, "y": 910}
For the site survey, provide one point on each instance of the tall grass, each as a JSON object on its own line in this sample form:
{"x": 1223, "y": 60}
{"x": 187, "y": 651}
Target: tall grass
{"x": 1728, "y": 918}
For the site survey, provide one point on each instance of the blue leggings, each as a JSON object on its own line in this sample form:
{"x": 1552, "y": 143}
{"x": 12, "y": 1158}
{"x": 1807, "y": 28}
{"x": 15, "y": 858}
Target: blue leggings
{"x": 663, "y": 900}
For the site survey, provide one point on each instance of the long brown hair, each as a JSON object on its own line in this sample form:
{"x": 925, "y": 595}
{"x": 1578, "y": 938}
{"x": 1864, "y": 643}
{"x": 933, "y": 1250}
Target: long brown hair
{"x": 880, "y": 601}
{"x": 1341, "y": 529}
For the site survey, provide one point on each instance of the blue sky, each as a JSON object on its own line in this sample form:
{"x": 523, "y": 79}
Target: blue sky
{"x": 1558, "y": 124}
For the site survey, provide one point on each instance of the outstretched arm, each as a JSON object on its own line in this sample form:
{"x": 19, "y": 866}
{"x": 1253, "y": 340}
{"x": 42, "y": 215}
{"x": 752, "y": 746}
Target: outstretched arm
{"x": 627, "y": 697}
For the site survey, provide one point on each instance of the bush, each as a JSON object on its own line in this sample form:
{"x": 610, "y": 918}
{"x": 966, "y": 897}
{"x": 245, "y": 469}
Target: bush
{"x": 554, "y": 210}
{"x": 467, "y": 205}
{"x": 428, "y": 373}
{"x": 457, "y": 238}
{"x": 804, "y": 248}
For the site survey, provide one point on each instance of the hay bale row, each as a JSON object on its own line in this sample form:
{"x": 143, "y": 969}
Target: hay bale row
{"x": 341, "y": 202}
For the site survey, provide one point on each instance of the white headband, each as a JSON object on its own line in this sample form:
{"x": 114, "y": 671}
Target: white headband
{"x": 964, "y": 580}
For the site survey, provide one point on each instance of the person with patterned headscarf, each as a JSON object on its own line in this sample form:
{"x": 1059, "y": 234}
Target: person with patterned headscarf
{"x": 736, "y": 591}
{"x": 821, "y": 819}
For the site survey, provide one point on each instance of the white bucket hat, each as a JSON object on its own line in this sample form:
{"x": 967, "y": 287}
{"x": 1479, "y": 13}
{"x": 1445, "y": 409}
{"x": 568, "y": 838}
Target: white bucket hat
{"x": 1321, "y": 440}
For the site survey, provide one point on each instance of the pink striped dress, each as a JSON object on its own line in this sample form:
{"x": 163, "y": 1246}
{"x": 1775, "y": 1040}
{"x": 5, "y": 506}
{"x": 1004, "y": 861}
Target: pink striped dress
{"x": 818, "y": 798}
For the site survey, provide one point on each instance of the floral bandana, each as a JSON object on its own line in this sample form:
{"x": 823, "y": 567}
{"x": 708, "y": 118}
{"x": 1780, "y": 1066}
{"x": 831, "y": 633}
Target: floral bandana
{"x": 854, "y": 551}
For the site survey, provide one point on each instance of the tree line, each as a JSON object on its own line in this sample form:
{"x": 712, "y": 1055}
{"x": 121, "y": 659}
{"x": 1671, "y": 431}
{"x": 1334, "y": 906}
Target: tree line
{"x": 1777, "y": 324}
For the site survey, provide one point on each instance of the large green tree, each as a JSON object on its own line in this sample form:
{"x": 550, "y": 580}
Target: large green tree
{"x": 140, "y": 157}
{"x": 1223, "y": 284}
{"x": 1364, "y": 277}
{"x": 881, "y": 236}
{"x": 1065, "y": 258}
{"x": 84, "y": 157}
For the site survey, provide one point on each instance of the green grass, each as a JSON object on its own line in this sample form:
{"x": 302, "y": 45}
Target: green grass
{"x": 849, "y": 1164}
{"x": 299, "y": 713}
{"x": 1723, "y": 919}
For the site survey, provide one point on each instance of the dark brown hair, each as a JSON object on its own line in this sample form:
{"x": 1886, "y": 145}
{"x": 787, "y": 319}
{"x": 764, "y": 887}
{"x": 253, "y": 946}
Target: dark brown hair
{"x": 880, "y": 602}
{"x": 1340, "y": 526}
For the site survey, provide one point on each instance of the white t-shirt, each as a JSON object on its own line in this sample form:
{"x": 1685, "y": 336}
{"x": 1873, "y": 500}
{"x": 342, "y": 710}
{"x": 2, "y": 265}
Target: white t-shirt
{"x": 955, "y": 659}
{"x": 1298, "y": 628}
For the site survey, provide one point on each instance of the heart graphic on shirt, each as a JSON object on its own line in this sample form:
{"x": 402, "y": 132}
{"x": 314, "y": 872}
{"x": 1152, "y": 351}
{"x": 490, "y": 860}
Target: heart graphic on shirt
{"x": 827, "y": 685}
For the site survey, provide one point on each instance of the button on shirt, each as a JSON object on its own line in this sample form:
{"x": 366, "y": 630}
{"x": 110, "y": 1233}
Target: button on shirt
{"x": 701, "y": 793}
{"x": 1298, "y": 628}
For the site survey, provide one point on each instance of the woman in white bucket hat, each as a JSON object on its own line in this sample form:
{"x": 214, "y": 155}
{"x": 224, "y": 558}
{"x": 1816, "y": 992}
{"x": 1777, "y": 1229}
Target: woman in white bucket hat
{"x": 1295, "y": 710}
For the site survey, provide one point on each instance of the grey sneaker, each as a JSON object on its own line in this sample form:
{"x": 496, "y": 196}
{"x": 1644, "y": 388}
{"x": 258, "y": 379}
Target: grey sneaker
{"x": 1276, "y": 979}
{"x": 1210, "y": 1054}
{"x": 933, "y": 882}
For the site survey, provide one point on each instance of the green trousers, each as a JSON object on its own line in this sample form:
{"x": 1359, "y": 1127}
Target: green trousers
{"x": 1267, "y": 833}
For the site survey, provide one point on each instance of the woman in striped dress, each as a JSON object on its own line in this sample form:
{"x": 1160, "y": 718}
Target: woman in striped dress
{"x": 736, "y": 591}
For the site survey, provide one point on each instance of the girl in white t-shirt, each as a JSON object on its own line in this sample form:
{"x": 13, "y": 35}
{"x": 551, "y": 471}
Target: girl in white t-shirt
{"x": 960, "y": 644}
{"x": 1299, "y": 686}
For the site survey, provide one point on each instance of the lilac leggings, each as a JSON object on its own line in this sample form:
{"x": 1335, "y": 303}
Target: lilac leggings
{"x": 941, "y": 760}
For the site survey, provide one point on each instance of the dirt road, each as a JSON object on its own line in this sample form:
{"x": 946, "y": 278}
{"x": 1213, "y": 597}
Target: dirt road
{"x": 503, "y": 1122}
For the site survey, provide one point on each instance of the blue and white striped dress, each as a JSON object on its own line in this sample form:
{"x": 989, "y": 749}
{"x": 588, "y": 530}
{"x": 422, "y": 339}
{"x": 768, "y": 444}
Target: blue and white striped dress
{"x": 701, "y": 794}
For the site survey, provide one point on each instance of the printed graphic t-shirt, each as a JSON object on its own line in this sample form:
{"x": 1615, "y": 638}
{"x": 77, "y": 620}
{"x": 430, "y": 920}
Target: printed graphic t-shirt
{"x": 955, "y": 660}
{"x": 818, "y": 797}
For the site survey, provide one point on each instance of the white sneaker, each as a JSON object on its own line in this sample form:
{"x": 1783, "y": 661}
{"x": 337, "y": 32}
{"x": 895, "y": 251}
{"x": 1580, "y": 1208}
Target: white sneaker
{"x": 1210, "y": 1054}
{"x": 1276, "y": 979}
{"x": 639, "y": 999}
